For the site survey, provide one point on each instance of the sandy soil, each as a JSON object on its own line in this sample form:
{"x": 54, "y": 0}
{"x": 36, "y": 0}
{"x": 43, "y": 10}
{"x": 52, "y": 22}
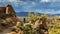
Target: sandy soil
{"x": 6, "y": 31}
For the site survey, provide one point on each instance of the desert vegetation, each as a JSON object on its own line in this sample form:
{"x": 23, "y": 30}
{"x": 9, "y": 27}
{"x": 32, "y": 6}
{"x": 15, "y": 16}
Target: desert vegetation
{"x": 36, "y": 25}
{"x": 39, "y": 25}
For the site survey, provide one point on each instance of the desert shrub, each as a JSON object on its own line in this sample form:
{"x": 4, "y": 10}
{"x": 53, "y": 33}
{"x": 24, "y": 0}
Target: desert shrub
{"x": 57, "y": 18}
{"x": 44, "y": 19}
{"x": 33, "y": 17}
{"x": 18, "y": 25}
{"x": 55, "y": 29}
{"x": 27, "y": 29}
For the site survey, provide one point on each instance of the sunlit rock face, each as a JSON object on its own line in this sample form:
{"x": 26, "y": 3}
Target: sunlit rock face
{"x": 7, "y": 16}
{"x": 7, "y": 11}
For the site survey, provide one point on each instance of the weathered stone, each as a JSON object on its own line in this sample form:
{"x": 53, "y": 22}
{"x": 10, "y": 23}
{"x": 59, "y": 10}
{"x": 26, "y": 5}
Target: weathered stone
{"x": 7, "y": 11}
{"x": 7, "y": 16}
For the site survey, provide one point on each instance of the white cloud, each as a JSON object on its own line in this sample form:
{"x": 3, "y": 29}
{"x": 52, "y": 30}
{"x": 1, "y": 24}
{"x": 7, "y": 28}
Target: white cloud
{"x": 12, "y": 0}
{"x": 15, "y": 2}
{"x": 44, "y": 0}
{"x": 48, "y": 11}
{"x": 33, "y": 3}
{"x": 55, "y": 0}
{"x": 50, "y": 1}
{"x": 2, "y": 1}
{"x": 23, "y": 3}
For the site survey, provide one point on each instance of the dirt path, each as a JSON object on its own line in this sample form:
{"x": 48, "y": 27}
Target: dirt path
{"x": 6, "y": 31}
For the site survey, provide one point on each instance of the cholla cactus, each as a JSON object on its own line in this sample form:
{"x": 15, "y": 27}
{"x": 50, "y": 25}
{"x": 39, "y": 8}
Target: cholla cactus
{"x": 33, "y": 17}
{"x": 37, "y": 24}
{"x": 17, "y": 25}
{"x": 29, "y": 23}
{"x": 55, "y": 29}
{"x": 13, "y": 33}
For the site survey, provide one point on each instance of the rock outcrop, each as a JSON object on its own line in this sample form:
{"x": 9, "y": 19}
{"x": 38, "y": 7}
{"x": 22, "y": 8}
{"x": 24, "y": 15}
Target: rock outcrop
{"x": 7, "y": 17}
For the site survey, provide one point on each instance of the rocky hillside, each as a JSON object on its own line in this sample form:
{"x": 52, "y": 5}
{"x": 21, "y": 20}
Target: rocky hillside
{"x": 7, "y": 20}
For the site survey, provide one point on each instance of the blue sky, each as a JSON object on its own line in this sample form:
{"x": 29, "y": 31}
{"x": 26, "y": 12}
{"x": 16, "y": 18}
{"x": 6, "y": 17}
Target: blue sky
{"x": 41, "y": 6}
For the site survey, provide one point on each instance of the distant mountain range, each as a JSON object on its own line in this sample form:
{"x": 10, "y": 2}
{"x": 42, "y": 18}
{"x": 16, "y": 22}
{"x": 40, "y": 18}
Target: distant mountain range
{"x": 25, "y": 14}
{"x": 56, "y": 14}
